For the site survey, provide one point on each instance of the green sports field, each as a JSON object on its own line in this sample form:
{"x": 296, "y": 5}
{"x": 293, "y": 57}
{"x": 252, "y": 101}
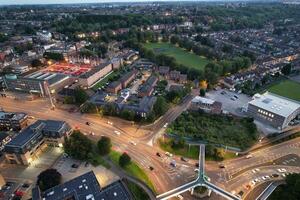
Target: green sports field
{"x": 287, "y": 88}
{"x": 182, "y": 56}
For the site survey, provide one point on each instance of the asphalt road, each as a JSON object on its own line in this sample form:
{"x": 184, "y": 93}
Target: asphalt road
{"x": 234, "y": 177}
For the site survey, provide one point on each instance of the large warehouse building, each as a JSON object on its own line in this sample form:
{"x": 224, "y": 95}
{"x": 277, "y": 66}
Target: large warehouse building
{"x": 274, "y": 110}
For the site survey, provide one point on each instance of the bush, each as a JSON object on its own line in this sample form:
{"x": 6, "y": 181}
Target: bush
{"x": 104, "y": 145}
{"x": 124, "y": 160}
{"x": 48, "y": 179}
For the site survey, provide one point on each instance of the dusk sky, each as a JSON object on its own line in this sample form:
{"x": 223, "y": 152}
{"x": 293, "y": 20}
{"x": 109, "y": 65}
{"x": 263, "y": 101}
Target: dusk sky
{"x": 10, "y": 2}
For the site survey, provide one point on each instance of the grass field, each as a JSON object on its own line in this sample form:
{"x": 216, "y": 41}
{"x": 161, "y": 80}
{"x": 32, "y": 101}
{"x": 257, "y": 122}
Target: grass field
{"x": 132, "y": 169}
{"x": 287, "y": 88}
{"x": 182, "y": 56}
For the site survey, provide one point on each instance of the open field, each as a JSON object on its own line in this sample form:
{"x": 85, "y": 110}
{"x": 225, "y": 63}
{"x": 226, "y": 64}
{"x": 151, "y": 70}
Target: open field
{"x": 287, "y": 88}
{"x": 182, "y": 56}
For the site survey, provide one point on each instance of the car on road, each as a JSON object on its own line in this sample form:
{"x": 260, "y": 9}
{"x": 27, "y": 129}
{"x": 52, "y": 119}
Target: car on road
{"x": 173, "y": 163}
{"x": 223, "y": 92}
{"x": 183, "y": 159}
{"x": 166, "y": 125}
{"x": 281, "y": 170}
{"x": 221, "y": 165}
{"x": 275, "y": 175}
{"x": 75, "y": 166}
{"x": 117, "y": 132}
{"x": 151, "y": 168}
{"x": 235, "y": 96}
{"x": 158, "y": 154}
{"x": 196, "y": 170}
{"x": 233, "y": 99}
{"x": 87, "y": 123}
{"x": 92, "y": 133}
{"x": 133, "y": 143}
{"x": 249, "y": 156}
{"x": 168, "y": 154}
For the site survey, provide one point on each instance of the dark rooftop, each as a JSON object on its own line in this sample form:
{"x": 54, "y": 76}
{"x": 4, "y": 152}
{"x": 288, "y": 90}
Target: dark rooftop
{"x": 84, "y": 187}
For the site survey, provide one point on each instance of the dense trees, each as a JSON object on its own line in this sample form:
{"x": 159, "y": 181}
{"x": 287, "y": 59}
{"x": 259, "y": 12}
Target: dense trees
{"x": 226, "y": 130}
{"x": 289, "y": 191}
{"x": 104, "y": 145}
{"x": 48, "y": 179}
{"x": 160, "y": 107}
{"x": 36, "y": 63}
{"x": 78, "y": 146}
{"x": 54, "y": 56}
{"x": 80, "y": 96}
{"x": 286, "y": 70}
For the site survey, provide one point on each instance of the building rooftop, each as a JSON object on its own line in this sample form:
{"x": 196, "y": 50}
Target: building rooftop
{"x": 199, "y": 99}
{"x": 84, "y": 187}
{"x": 12, "y": 116}
{"x": 31, "y": 131}
{"x": 94, "y": 70}
{"x": 51, "y": 78}
{"x": 275, "y": 104}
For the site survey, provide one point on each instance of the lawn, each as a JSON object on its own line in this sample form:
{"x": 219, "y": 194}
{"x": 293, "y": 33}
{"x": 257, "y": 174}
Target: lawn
{"x": 287, "y": 88}
{"x": 105, "y": 80}
{"x": 182, "y": 56}
{"x": 132, "y": 169}
{"x": 191, "y": 151}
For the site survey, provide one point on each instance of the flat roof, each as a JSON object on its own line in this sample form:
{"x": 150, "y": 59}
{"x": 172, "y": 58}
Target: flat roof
{"x": 275, "y": 104}
{"x": 80, "y": 188}
{"x": 51, "y": 77}
{"x": 28, "y": 133}
{"x": 86, "y": 187}
{"x": 202, "y": 100}
{"x": 12, "y": 116}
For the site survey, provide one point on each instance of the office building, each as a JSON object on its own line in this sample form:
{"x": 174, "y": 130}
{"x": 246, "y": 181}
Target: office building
{"x": 273, "y": 109}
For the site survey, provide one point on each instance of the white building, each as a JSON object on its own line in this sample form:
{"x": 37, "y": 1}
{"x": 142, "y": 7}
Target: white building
{"x": 273, "y": 109}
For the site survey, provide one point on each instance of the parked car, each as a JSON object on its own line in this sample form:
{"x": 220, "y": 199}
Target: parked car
{"x": 158, "y": 154}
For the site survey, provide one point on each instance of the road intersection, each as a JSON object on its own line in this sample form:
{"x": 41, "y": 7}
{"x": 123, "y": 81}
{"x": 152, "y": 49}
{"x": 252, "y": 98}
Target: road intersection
{"x": 164, "y": 176}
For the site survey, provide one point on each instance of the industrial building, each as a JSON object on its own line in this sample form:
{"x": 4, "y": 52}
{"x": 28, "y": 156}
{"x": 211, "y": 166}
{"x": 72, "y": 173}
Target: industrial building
{"x": 39, "y": 83}
{"x": 273, "y": 109}
{"x": 23, "y": 148}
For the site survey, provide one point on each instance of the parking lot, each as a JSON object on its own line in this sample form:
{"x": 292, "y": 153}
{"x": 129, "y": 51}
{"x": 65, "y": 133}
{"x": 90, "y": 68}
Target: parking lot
{"x": 231, "y": 102}
{"x": 71, "y": 168}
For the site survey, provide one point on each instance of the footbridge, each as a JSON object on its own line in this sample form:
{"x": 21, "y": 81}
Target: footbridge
{"x": 201, "y": 180}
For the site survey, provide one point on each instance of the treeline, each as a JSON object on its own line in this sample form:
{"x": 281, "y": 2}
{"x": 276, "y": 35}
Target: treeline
{"x": 211, "y": 73}
{"x": 96, "y": 22}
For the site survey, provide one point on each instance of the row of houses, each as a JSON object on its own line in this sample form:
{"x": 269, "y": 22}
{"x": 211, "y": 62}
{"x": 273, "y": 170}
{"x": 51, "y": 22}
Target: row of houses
{"x": 115, "y": 86}
{"x": 172, "y": 75}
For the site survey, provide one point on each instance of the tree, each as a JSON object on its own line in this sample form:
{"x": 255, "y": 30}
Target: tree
{"x": 124, "y": 160}
{"x": 286, "y": 70}
{"x": 80, "y": 95}
{"x": 160, "y": 107}
{"x": 291, "y": 190}
{"x": 104, "y": 145}
{"x": 78, "y": 146}
{"x": 202, "y": 92}
{"x": 54, "y": 56}
{"x": 36, "y": 63}
{"x": 48, "y": 179}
